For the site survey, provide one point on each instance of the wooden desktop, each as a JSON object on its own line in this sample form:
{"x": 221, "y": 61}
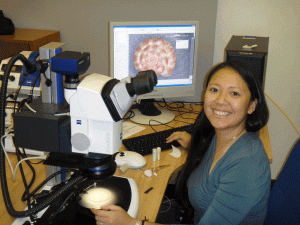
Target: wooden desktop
{"x": 149, "y": 203}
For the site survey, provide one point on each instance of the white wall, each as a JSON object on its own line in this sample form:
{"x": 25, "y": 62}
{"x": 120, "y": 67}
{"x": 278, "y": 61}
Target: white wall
{"x": 278, "y": 20}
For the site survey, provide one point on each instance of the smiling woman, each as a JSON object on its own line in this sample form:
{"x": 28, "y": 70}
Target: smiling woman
{"x": 226, "y": 178}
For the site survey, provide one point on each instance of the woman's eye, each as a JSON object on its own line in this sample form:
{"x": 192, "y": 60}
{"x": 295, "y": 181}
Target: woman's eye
{"x": 235, "y": 93}
{"x": 214, "y": 89}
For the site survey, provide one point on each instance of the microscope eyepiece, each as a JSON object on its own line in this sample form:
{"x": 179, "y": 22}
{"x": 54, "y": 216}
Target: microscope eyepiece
{"x": 142, "y": 83}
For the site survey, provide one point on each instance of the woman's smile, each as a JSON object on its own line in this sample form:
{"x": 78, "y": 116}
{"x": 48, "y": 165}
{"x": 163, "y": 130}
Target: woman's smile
{"x": 221, "y": 113}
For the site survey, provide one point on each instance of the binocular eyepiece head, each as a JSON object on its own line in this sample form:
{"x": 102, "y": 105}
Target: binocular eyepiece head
{"x": 142, "y": 83}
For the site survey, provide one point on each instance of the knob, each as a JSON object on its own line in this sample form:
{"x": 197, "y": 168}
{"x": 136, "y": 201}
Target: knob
{"x": 11, "y": 78}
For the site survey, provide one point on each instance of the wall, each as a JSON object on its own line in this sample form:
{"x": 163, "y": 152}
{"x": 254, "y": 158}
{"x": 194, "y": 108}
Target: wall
{"x": 279, "y": 20}
{"x": 84, "y": 24}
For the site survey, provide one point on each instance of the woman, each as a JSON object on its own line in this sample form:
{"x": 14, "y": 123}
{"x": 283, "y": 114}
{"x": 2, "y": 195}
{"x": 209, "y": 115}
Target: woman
{"x": 226, "y": 178}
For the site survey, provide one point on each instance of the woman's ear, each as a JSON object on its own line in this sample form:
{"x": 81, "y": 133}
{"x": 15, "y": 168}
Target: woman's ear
{"x": 252, "y": 106}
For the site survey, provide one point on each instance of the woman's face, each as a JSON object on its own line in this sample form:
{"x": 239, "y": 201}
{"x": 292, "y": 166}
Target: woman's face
{"x": 227, "y": 100}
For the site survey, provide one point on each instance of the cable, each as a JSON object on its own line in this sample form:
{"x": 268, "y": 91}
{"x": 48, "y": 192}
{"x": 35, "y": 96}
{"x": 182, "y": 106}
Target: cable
{"x": 60, "y": 208}
{"x": 167, "y": 201}
{"x": 62, "y": 114}
{"x": 130, "y": 114}
{"x": 4, "y": 150}
{"x": 284, "y": 114}
{"x": 19, "y": 89}
{"x": 31, "y": 109}
{"x": 49, "y": 178}
{"x": 27, "y": 186}
{"x": 10, "y": 96}
{"x": 56, "y": 114}
{"x": 15, "y": 171}
{"x": 35, "y": 80}
{"x": 156, "y": 124}
{"x": 181, "y": 109}
{"x": 10, "y": 129}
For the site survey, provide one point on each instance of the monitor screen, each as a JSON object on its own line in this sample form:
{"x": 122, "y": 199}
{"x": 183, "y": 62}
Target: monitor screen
{"x": 167, "y": 47}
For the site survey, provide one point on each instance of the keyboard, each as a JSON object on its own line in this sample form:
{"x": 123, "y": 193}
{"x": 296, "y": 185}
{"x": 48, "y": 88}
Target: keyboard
{"x": 145, "y": 143}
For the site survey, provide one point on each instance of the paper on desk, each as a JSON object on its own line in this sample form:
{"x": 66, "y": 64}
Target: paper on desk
{"x": 176, "y": 152}
{"x": 130, "y": 129}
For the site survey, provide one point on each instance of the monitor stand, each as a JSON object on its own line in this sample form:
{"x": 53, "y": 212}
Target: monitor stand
{"x": 148, "y": 114}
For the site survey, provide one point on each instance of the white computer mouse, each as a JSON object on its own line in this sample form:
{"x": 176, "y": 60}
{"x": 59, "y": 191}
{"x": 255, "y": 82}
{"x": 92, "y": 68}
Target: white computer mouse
{"x": 134, "y": 159}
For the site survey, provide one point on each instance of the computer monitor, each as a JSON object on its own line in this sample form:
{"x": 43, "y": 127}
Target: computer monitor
{"x": 167, "y": 47}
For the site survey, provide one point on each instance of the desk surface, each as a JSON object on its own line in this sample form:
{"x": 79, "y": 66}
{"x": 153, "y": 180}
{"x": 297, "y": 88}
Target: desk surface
{"x": 159, "y": 183}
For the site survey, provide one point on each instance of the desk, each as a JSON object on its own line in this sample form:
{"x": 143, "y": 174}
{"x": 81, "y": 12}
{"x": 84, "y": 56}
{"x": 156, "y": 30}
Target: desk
{"x": 149, "y": 203}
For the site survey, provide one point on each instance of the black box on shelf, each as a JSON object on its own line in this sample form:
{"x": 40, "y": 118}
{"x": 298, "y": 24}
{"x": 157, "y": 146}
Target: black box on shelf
{"x": 251, "y": 50}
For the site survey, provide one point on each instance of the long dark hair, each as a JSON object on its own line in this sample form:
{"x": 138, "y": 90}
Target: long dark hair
{"x": 204, "y": 131}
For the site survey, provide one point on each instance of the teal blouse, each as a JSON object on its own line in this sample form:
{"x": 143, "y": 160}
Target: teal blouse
{"x": 237, "y": 190}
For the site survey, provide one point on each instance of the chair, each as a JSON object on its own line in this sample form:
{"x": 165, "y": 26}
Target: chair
{"x": 284, "y": 200}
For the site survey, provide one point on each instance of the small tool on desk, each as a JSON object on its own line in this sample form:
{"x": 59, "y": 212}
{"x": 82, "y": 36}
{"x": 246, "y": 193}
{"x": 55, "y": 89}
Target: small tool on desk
{"x": 150, "y": 189}
{"x": 153, "y": 171}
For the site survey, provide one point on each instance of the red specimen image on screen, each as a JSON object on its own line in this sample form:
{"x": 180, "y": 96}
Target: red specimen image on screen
{"x": 155, "y": 54}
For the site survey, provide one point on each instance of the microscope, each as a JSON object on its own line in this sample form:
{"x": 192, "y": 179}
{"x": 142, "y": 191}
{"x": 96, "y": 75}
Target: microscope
{"x": 83, "y": 135}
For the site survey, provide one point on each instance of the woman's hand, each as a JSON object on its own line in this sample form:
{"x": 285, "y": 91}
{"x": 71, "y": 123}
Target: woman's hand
{"x": 182, "y": 137}
{"x": 113, "y": 215}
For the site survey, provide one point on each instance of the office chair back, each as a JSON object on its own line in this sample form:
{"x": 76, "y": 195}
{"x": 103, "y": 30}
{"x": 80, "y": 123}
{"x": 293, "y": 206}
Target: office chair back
{"x": 284, "y": 201}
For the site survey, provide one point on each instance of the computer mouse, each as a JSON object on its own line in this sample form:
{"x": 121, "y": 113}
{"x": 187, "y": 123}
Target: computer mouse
{"x": 134, "y": 159}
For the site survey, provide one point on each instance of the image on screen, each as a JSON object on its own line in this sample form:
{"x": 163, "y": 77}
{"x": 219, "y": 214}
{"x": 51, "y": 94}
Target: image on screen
{"x": 155, "y": 54}
{"x": 170, "y": 55}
